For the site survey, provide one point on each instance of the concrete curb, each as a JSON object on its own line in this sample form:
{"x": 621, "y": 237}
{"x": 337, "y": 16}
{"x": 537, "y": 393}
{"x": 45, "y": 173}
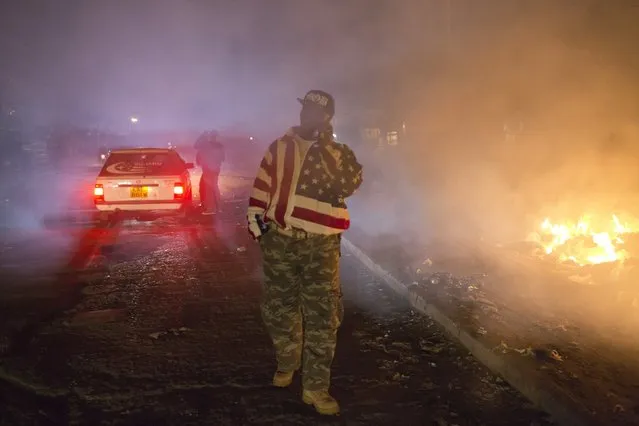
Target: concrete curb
{"x": 544, "y": 394}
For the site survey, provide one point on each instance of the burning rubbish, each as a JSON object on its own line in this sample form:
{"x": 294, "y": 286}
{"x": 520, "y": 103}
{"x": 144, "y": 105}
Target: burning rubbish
{"x": 587, "y": 241}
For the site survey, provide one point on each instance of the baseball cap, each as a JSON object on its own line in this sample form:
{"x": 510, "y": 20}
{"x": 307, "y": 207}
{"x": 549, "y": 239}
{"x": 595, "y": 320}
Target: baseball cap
{"x": 321, "y": 99}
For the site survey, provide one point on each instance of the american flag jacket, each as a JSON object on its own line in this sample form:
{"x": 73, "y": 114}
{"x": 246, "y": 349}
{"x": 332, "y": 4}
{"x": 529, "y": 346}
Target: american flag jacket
{"x": 302, "y": 184}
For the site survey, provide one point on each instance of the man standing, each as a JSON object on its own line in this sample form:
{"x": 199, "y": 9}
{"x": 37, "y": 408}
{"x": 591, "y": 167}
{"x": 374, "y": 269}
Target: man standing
{"x": 297, "y": 212}
{"x": 210, "y": 156}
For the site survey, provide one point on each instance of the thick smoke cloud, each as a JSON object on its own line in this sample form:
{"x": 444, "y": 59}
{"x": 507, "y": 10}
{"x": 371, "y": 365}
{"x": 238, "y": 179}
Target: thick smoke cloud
{"x": 546, "y": 66}
{"x": 453, "y": 71}
{"x": 177, "y": 63}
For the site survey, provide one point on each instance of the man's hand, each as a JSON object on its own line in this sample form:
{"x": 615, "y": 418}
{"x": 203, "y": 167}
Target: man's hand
{"x": 342, "y": 166}
{"x": 325, "y": 136}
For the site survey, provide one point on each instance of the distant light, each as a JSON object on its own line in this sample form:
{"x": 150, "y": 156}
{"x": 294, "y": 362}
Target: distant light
{"x": 134, "y": 120}
{"x": 250, "y": 138}
{"x": 334, "y": 135}
{"x": 102, "y": 156}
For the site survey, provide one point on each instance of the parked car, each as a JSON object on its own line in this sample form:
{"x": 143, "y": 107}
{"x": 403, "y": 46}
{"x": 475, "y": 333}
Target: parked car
{"x": 144, "y": 184}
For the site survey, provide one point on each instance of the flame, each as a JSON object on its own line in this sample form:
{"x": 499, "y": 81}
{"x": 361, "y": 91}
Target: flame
{"x": 586, "y": 241}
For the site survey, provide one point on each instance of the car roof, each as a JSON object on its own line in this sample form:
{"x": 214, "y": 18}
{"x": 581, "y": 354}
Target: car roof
{"x": 143, "y": 151}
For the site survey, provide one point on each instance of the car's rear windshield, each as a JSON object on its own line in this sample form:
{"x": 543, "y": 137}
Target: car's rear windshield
{"x": 144, "y": 164}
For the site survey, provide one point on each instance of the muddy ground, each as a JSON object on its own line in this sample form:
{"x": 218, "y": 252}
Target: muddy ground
{"x": 164, "y": 328}
{"x": 580, "y": 336}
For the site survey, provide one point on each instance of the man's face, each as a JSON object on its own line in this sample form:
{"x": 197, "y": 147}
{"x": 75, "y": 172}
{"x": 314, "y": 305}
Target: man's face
{"x": 312, "y": 117}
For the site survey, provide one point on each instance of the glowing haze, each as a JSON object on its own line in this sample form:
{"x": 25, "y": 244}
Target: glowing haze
{"x": 453, "y": 71}
{"x": 190, "y": 63}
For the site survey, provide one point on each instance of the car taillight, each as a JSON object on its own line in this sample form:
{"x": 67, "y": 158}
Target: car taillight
{"x": 98, "y": 192}
{"x": 178, "y": 191}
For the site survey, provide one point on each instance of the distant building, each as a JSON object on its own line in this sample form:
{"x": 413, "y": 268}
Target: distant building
{"x": 372, "y": 127}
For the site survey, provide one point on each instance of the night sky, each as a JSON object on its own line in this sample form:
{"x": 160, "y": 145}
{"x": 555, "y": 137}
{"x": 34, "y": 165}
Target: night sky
{"x": 204, "y": 63}
{"x": 180, "y": 62}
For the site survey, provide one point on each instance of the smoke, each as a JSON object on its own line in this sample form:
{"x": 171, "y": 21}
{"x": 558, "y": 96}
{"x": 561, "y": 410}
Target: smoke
{"x": 174, "y": 65}
{"x": 542, "y": 66}
{"x": 562, "y": 77}
{"x": 197, "y": 64}
{"x": 454, "y": 72}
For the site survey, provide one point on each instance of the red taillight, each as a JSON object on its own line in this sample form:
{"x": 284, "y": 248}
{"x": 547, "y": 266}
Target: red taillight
{"x": 98, "y": 192}
{"x": 178, "y": 191}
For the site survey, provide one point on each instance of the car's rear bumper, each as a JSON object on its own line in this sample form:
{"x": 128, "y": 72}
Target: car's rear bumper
{"x": 136, "y": 206}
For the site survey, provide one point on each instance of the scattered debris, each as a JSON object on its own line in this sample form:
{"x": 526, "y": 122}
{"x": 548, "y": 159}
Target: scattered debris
{"x": 555, "y": 355}
{"x": 431, "y": 347}
{"x": 173, "y": 331}
{"x": 98, "y": 316}
{"x": 486, "y": 304}
{"x": 504, "y": 349}
{"x": 544, "y": 355}
{"x": 157, "y": 335}
{"x": 525, "y": 351}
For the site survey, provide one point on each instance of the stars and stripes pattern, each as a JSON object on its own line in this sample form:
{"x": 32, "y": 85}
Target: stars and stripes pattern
{"x": 329, "y": 174}
{"x": 301, "y": 184}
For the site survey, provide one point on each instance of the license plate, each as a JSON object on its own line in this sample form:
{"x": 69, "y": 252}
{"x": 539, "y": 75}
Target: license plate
{"x": 140, "y": 192}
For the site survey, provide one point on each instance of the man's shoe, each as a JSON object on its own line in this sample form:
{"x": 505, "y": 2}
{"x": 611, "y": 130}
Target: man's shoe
{"x": 283, "y": 379}
{"x": 323, "y": 402}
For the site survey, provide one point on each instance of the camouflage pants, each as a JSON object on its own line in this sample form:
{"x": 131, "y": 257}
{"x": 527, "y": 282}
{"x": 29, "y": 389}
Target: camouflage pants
{"x": 302, "y": 303}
